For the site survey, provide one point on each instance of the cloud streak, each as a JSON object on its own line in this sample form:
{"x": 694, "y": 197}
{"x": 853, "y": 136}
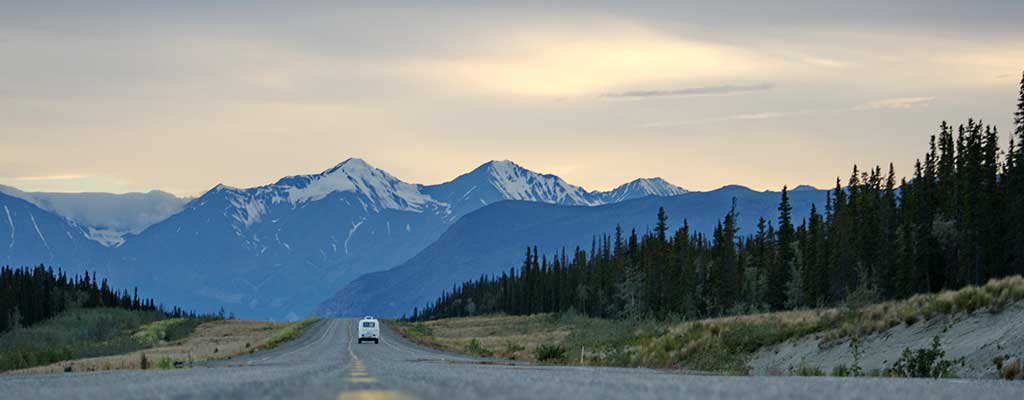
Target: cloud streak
{"x": 894, "y": 104}
{"x": 735, "y": 117}
{"x": 691, "y": 91}
{"x": 898, "y": 103}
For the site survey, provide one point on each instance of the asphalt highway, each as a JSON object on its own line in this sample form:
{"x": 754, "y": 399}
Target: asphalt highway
{"x": 327, "y": 363}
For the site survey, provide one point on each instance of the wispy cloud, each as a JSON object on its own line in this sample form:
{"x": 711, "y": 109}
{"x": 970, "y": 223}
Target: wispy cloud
{"x": 691, "y": 91}
{"x": 735, "y": 117}
{"x": 883, "y": 104}
{"x": 895, "y": 103}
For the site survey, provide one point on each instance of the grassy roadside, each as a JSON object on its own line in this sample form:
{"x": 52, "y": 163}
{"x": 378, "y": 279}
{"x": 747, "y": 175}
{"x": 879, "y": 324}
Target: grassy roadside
{"x": 176, "y": 343}
{"x": 77, "y": 333}
{"x": 167, "y": 330}
{"x": 290, "y": 332}
{"x": 720, "y": 345}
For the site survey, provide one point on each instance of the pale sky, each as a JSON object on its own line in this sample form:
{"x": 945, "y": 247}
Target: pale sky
{"x": 121, "y": 96}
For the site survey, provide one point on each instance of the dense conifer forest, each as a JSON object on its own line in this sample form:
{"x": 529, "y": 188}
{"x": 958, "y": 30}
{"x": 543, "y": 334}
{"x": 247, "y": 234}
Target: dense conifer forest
{"x": 958, "y": 221}
{"x": 32, "y": 295}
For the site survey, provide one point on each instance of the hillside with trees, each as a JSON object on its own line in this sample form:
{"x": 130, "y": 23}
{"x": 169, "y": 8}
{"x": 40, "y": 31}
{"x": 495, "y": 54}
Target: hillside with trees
{"x": 956, "y": 222}
{"x": 48, "y": 316}
{"x": 32, "y": 295}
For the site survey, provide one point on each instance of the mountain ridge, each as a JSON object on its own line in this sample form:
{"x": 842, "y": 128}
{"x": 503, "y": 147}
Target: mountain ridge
{"x": 278, "y": 250}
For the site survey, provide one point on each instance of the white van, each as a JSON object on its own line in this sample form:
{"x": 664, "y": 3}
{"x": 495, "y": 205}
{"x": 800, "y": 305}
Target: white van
{"x": 369, "y": 330}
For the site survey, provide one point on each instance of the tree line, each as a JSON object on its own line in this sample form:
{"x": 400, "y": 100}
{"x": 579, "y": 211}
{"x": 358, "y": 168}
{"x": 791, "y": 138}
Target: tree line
{"x": 31, "y": 295}
{"x": 958, "y": 221}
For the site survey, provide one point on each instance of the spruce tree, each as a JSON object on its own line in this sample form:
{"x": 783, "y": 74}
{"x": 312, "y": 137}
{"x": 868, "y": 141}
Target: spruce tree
{"x": 779, "y": 276}
{"x": 1014, "y": 178}
{"x": 662, "y": 226}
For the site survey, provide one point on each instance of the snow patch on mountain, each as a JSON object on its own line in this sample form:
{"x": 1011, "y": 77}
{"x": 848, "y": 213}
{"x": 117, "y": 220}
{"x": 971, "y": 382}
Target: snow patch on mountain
{"x": 640, "y": 188}
{"x": 517, "y": 183}
{"x": 804, "y": 188}
{"x": 106, "y": 217}
{"x": 10, "y": 221}
{"x": 355, "y": 175}
{"x": 106, "y": 237}
{"x": 39, "y": 232}
{"x": 352, "y": 231}
{"x": 377, "y": 189}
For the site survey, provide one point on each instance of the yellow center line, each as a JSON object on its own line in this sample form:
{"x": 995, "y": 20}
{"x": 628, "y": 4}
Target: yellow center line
{"x": 359, "y": 375}
{"x": 372, "y": 395}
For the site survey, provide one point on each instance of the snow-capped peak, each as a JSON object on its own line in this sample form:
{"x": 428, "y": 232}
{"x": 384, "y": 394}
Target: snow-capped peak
{"x": 517, "y": 183}
{"x": 379, "y": 190}
{"x": 804, "y": 188}
{"x": 638, "y": 188}
{"x": 353, "y": 164}
{"x": 356, "y": 175}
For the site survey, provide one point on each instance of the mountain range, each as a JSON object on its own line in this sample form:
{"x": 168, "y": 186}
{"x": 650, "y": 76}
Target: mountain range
{"x": 494, "y": 239}
{"x": 276, "y": 251}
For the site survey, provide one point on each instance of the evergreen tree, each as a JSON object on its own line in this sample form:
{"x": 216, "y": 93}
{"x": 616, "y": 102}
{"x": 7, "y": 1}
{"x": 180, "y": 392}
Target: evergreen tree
{"x": 780, "y": 273}
{"x": 662, "y": 226}
{"x": 1014, "y": 192}
{"x": 31, "y": 295}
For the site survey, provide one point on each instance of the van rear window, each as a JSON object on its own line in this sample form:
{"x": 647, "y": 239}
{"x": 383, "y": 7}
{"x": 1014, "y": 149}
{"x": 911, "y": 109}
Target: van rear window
{"x": 369, "y": 324}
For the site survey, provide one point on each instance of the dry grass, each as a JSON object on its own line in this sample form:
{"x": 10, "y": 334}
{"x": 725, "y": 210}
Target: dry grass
{"x": 211, "y": 340}
{"x": 511, "y": 337}
{"x": 726, "y": 344}
{"x": 289, "y": 332}
{"x": 877, "y": 318}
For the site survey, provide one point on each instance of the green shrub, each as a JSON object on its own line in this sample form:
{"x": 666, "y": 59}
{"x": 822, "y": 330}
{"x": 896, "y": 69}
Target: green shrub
{"x": 550, "y": 353}
{"x": 841, "y": 370}
{"x": 923, "y": 363}
{"x": 287, "y": 333}
{"x": 804, "y": 369}
{"x": 76, "y": 333}
{"x": 165, "y": 363}
{"x": 167, "y": 330}
{"x": 474, "y": 347}
{"x": 511, "y": 348}
{"x": 855, "y": 351}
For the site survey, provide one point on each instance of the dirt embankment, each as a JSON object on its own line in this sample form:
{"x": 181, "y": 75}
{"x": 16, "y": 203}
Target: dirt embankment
{"x": 978, "y": 338}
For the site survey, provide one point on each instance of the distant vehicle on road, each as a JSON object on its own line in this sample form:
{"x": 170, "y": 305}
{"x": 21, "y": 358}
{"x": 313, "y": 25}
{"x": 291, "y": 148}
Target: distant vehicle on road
{"x": 369, "y": 330}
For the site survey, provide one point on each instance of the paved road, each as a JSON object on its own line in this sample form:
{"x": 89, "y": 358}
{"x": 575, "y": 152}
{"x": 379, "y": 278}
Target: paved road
{"x": 326, "y": 363}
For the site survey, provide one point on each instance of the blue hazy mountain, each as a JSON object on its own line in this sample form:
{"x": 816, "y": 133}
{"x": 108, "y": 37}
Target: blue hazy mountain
{"x": 493, "y": 239}
{"x": 30, "y": 235}
{"x": 105, "y": 217}
{"x": 276, "y": 251}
